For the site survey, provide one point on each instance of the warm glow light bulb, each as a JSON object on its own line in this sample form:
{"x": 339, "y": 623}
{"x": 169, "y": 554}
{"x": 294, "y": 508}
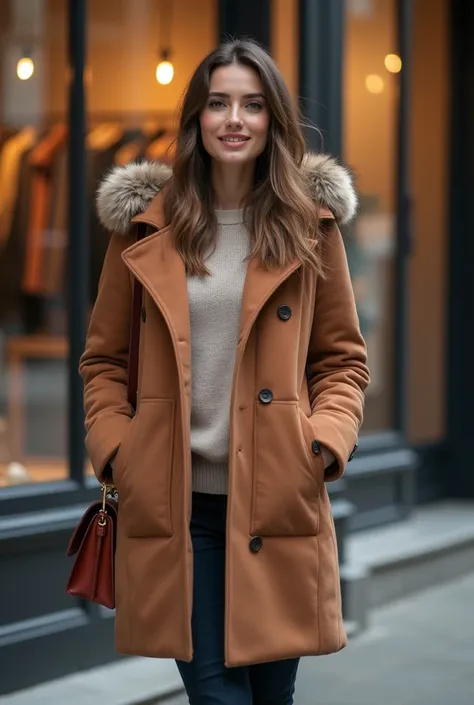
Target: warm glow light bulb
{"x": 25, "y": 68}
{"x": 164, "y": 72}
{"x": 393, "y": 63}
{"x": 374, "y": 83}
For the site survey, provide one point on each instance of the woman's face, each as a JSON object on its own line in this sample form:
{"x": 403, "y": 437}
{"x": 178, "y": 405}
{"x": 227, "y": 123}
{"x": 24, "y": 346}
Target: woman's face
{"x": 235, "y": 120}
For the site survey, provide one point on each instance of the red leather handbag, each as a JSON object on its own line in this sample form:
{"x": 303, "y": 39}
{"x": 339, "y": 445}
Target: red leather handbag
{"x": 94, "y": 539}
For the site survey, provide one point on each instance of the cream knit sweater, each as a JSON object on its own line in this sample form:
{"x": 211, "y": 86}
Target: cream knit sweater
{"x": 214, "y": 306}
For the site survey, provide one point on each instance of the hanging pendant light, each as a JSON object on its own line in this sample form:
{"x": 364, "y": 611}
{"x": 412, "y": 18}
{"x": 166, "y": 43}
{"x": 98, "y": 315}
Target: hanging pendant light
{"x": 165, "y": 68}
{"x": 25, "y": 67}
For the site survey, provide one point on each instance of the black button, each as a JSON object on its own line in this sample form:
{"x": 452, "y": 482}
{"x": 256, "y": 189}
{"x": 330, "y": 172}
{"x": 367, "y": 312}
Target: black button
{"x": 315, "y": 447}
{"x": 255, "y": 544}
{"x": 353, "y": 452}
{"x": 143, "y": 315}
{"x": 284, "y": 313}
{"x": 266, "y": 396}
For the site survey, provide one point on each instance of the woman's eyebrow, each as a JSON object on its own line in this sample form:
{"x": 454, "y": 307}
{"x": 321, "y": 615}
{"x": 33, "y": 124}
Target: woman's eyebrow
{"x": 218, "y": 94}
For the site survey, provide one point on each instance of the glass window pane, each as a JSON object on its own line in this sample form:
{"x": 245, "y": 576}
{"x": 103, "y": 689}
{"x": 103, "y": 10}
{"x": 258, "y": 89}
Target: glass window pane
{"x": 132, "y": 94}
{"x": 285, "y": 41}
{"x": 370, "y": 98}
{"x": 33, "y": 241}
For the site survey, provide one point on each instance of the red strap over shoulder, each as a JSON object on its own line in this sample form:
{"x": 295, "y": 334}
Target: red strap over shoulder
{"x": 134, "y": 345}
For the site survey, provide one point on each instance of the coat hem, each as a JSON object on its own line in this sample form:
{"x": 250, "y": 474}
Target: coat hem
{"x": 237, "y": 663}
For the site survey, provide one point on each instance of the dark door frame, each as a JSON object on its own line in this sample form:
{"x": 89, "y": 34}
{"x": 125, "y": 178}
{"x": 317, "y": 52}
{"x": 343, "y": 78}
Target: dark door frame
{"x": 246, "y": 18}
{"x": 460, "y": 481}
{"x": 78, "y": 251}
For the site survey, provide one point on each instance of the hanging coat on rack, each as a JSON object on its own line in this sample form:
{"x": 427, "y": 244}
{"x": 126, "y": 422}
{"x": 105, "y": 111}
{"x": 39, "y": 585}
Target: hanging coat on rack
{"x": 42, "y": 159}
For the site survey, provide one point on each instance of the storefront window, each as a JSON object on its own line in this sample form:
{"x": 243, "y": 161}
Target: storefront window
{"x": 33, "y": 241}
{"x": 371, "y": 68}
{"x": 139, "y": 58}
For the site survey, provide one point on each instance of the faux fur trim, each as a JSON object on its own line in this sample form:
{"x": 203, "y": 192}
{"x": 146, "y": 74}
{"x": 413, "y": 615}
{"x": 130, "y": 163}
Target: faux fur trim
{"x": 332, "y": 186}
{"x": 128, "y": 190}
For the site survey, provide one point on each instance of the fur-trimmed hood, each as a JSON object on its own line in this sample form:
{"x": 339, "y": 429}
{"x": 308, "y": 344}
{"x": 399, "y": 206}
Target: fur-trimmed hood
{"x": 127, "y": 191}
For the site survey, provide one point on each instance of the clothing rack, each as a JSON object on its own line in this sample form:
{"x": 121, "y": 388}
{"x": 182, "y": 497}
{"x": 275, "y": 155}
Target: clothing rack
{"x": 129, "y": 119}
{"x": 33, "y": 204}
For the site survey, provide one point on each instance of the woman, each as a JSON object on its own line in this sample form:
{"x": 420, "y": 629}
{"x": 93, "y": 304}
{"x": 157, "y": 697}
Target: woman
{"x": 251, "y": 382}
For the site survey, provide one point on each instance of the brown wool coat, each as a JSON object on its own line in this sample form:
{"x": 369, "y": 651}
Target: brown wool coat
{"x": 283, "y": 600}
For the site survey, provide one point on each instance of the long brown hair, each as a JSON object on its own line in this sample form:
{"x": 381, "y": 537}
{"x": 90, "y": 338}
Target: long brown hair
{"x": 283, "y": 218}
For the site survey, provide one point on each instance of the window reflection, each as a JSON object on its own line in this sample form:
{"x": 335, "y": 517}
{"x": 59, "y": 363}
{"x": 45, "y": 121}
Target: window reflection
{"x": 370, "y": 112}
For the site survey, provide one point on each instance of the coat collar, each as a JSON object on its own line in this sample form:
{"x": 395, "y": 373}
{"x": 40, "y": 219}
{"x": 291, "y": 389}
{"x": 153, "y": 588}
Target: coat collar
{"x": 159, "y": 267}
{"x": 134, "y": 194}
{"x": 157, "y": 264}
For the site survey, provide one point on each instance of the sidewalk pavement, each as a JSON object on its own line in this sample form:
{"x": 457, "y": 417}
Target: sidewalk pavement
{"x": 419, "y": 651}
{"x": 134, "y": 681}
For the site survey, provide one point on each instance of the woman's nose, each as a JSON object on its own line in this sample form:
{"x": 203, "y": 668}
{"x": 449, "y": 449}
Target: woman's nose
{"x": 234, "y": 118}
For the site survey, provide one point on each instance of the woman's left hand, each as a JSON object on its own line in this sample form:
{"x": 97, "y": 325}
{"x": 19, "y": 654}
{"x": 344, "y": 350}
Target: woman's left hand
{"x": 328, "y": 457}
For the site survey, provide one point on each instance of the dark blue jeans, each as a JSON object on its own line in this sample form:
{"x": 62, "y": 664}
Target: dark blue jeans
{"x": 206, "y": 679}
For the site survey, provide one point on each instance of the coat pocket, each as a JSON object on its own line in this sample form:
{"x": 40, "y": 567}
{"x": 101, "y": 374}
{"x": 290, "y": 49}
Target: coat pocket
{"x": 285, "y": 498}
{"x": 142, "y": 471}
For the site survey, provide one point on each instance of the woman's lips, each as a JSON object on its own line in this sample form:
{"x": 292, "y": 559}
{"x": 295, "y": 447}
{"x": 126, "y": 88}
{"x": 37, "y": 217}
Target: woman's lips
{"x": 234, "y": 142}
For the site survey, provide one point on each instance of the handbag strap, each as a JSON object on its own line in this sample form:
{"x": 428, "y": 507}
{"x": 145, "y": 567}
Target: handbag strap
{"x": 134, "y": 345}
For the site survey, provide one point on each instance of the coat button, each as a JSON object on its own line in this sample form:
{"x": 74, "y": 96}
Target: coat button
{"x": 266, "y": 396}
{"x": 255, "y": 544}
{"x": 143, "y": 313}
{"x": 284, "y": 313}
{"x": 315, "y": 447}
{"x": 353, "y": 452}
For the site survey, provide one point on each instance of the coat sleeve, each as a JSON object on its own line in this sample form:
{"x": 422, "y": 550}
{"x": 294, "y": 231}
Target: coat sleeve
{"x": 104, "y": 363}
{"x": 337, "y": 360}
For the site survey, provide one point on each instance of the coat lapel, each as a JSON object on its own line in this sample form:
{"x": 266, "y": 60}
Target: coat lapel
{"x": 260, "y": 284}
{"x": 158, "y": 266}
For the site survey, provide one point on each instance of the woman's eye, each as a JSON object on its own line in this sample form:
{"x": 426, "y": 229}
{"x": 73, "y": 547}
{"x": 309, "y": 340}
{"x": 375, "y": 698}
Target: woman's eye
{"x": 254, "y": 105}
{"x": 215, "y": 103}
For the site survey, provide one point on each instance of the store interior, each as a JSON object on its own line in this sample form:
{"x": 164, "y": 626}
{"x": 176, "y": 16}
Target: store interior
{"x": 140, "y": 57}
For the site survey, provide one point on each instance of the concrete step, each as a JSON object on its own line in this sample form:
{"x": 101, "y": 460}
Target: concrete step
{"x": 385, "y": 564}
